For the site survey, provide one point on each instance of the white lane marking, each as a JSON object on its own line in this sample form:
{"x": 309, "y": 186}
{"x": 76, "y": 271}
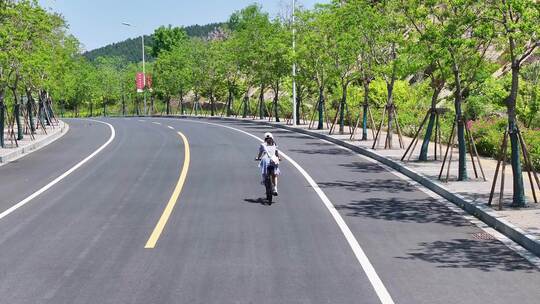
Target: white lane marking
{"x": 61, "y": 177}
{"x": 156, "y": 123}
{"x": 369, "y": 270}
{"x": 529, "y": 256}
{"x": 170, "y": 127}
{"x": 142, "y": 120}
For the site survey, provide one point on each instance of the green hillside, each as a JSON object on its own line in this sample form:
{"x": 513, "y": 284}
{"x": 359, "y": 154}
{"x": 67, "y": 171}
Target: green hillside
{"x": 131, "y": 48}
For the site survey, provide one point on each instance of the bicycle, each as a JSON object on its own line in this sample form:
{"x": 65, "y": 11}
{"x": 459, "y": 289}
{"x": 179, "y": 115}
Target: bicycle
{"x": 268, "y": 184}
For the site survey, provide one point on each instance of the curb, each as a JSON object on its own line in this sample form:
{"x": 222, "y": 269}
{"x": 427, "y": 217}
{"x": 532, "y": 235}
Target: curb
{"x": 34, "y": 146}
{"x": 478, "y": 210}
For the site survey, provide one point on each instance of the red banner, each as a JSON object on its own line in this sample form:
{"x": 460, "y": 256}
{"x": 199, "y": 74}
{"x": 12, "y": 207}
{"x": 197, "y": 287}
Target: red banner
{"x": 140, "y": 82}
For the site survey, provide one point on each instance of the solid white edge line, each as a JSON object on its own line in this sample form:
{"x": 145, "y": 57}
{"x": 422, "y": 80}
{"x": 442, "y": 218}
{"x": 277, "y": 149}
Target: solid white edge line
{"x": 61, "y": 177}
{"x": 369, "y": 270}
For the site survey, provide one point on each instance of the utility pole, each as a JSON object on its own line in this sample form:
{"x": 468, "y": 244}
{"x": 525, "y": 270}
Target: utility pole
{"x": 144, "y": 75}
{"x": 294, "y": 62}
{"x": 143, "y": 66}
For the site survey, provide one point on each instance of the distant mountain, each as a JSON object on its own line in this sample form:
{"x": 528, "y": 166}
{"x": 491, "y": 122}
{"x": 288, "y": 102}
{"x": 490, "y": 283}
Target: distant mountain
{"x": 131, "y": 48}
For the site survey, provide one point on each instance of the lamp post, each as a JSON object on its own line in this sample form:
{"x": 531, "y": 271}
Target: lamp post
{"x": 294, "y": 62}
{"x": 143, "y": 66}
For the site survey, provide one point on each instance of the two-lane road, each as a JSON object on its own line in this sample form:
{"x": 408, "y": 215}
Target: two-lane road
{"x": 83, "y": 240}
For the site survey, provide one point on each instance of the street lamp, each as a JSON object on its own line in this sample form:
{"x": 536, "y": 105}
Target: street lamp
{"x": 143, "y": 66}
{"x": 294, "y": 62}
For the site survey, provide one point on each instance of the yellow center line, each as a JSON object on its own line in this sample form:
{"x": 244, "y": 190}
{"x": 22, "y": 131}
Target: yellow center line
{"x": 154, "y": 237}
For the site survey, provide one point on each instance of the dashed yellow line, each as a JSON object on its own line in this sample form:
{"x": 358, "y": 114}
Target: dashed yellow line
{"x": 154, "y": 237}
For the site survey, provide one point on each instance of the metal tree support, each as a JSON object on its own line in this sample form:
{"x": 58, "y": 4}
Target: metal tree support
{"x": 40, "y": 118}
{"x": 502, "y": 161}
{"x": 315, "y": 110}
{"x": 28, "y": 129}
{"x": 11, "y": 128}
{"x": 471, "y": 147}
{"x": 195, "y": 108}
{"x": 357, "y": 123}
{"x": 438, "y": 140}
{"x": 376, "y": 141}
{"x": 335, "y": 121}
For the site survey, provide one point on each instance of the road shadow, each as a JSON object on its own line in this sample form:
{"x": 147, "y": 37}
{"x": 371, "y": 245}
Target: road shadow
{"x": 484, "y": 255}
{"x": 363, "y": 167}
{"x": 258, "y": 201}
{"x": 372, "y": 185}
{"x": 319, "y": 151}
{"x": 402, "y": 210}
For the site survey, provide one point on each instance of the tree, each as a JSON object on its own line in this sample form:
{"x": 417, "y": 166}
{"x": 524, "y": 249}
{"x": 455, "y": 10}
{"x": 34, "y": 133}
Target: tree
{"x": 110, "y": 81}
{"x": 460, "y": 39}
{"x": 229, "y": 65}
{"x": 173, "y": 74}
{"x": 311, "y": 39}
{"x": 518, "y": 23}
{"x": 166, "y": 38}
{"x": 278, "y": 56}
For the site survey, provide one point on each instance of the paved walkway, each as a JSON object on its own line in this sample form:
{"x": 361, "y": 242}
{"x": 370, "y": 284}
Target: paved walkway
{"x": 13, "y": 151}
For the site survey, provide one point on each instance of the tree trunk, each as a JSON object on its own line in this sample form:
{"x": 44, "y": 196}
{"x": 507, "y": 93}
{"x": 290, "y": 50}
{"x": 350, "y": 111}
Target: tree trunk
{"x": 212, "y": 104}
{"x": 152, "y": 105}
{"x": 462, "y": 162}
{"x": 17, "y": 114}
{"x": 298, "y": 107}
{"x": 2, "y": 117}
{"x": 123, "y": 105}
{"x": 390, "y": 110}
{"x": 30, "y": 110}
{"x": 342, "y": 106}
{"x": 91, "y": 109}
{"x": 196, "y": 103}
{"x": 229, "y": 101}
{"x": 518, "y": 199}
{"x": 365, "y": 110}
{"x": 276, "y": 100}
{"x": 168, "y": 105}
{"x": 182, "y": 111}
{"x": 261, "y": 102}
{"x": 390, "y": 102}
{"x": 50, "y": 112}
{"x": 246, "y": 104}
{"x": 320, "y": 126}
{"x": 429, "y": 131}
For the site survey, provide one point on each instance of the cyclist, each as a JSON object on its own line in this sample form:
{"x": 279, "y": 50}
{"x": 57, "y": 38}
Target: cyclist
{"x": 269, "y": 156}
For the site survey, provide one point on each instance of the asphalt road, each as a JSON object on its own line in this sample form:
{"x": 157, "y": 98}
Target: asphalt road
{"x": 82, "y": 240}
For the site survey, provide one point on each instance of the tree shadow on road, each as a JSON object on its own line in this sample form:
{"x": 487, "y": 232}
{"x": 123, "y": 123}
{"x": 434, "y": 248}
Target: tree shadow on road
{"x": 403, "y": 210}
{"x": 372, "y": 185}
{"x": 484, "y": 255}
{"x": 363, "y": 167}
{"x": 319, "y": 151}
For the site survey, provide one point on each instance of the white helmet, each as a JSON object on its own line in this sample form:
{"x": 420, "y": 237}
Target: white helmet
{"x": 268, "y": 135}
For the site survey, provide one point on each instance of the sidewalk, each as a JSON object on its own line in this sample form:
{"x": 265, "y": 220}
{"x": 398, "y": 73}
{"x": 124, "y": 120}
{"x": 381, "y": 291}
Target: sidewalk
{"x": 521, "y": 225}
{"x": 27, "y": 145}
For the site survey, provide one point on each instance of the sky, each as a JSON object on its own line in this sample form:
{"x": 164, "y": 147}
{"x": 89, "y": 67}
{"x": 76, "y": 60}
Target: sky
{"x": 97, "y": 23}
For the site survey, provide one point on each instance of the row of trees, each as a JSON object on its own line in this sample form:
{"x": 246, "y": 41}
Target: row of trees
{"x": 407, "y": 55}
{"x": 453, "y": 47}
{"x": 35, "y": 54}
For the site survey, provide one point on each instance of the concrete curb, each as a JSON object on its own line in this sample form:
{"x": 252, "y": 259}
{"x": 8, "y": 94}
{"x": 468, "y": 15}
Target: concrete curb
{"x": 478, "y": 210}
{"x": 34, "y": 146}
